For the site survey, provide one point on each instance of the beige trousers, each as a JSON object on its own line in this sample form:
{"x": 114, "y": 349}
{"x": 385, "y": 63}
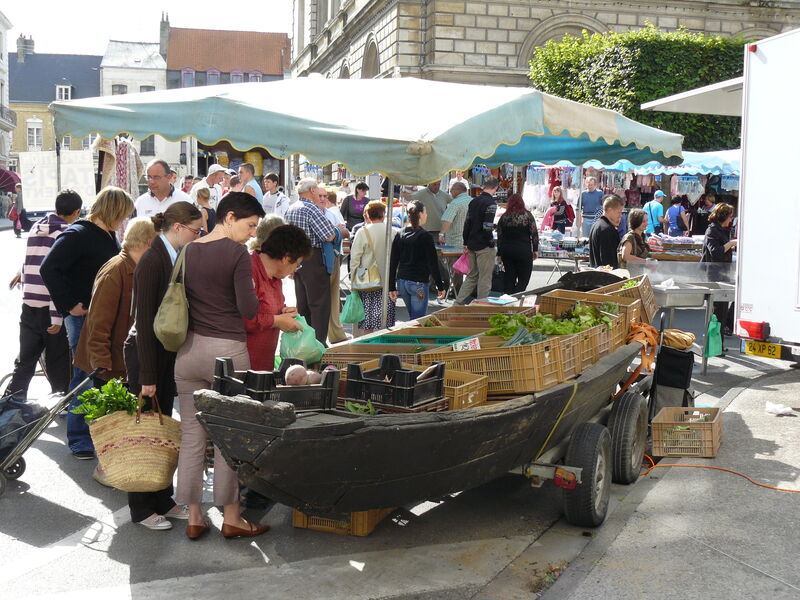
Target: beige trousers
{"x": 336, "y": 332}
{"x": 194, "y": 370}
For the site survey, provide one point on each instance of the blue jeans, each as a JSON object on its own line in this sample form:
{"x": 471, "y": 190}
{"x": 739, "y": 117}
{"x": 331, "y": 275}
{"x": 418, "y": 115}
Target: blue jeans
{"x": 586, "y": 228}
{"x": 415, "y": 297}
{"x": 77, "y": 429}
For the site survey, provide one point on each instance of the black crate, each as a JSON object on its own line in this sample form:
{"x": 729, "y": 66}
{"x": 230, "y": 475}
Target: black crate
{"x": 674, "y": 367}
{"x": 263, "y": 385}
{"x": 402, "y": 389}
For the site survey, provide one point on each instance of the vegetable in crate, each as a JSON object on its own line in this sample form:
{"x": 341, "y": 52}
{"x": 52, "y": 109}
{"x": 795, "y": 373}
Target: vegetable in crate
{"x": 629, "y": 284}
{"x": 523, "y": 337}
{"x": 112, "y": 397}
{"x": 296, "y": 375}
{"x": 506, "y": 325}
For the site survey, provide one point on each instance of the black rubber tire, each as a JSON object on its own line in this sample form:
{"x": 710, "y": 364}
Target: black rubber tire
{"x": 16, "y": 470}
{"x": 589, "y": 449}
{"x": 628, "y": 427}
{"x": 2, "y": 484}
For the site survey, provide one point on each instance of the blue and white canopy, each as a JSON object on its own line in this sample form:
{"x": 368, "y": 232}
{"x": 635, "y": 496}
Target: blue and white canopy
{"x": 412, "y": 130}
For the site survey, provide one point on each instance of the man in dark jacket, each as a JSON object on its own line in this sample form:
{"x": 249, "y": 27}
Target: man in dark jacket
{"x": 604, "y": 238}
{"x": 479, "y": 243}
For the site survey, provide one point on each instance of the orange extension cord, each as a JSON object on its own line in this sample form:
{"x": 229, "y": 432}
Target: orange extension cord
{"x": 653, "y": 465}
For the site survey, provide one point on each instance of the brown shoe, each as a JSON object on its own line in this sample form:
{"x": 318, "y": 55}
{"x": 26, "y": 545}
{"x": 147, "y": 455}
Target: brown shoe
{"x": 252, "y": 530}
{"x": 195, "y": 531}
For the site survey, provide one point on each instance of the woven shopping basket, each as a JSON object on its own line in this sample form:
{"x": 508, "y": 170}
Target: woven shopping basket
{"x": 139, "y": 453}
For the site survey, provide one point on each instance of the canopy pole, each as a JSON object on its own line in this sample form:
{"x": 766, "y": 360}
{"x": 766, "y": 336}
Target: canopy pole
{"x": 58, "y": 167}
{"x": 389, "y": 207}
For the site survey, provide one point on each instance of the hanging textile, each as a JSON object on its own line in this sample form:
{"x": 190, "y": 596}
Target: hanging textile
{"x": 122, "y": 166}
{"x": 729, "y": 182}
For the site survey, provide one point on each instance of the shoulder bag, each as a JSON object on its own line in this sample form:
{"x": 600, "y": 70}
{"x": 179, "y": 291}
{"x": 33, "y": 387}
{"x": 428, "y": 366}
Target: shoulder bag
{"x": 172, "y": 319}
{"x": 367, "y": 279}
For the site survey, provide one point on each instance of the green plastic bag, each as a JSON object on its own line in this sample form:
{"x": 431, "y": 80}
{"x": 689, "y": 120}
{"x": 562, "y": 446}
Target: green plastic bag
{"x": 714, "y": 337}
{"x": 302, "y": 344}
{"x": 353, "y": 310}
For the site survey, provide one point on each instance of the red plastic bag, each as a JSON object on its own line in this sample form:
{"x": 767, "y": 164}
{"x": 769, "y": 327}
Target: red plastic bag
{"x": 462, "y": 264}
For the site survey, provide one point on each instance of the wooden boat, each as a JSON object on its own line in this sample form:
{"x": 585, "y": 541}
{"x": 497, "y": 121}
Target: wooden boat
{"x": 330, "y": 461}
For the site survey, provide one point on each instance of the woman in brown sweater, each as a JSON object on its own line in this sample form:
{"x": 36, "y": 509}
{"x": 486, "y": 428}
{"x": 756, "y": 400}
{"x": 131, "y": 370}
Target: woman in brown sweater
{"x": 150, "y": 366}
{"x": 219, "y": 288}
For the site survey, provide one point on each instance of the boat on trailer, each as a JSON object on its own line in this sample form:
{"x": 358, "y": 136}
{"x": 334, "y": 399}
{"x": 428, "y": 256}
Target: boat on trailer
{"x": 330, "y": 462}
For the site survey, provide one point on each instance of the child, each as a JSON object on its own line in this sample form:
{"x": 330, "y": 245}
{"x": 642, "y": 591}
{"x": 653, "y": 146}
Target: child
{"x": 209, "y": 214}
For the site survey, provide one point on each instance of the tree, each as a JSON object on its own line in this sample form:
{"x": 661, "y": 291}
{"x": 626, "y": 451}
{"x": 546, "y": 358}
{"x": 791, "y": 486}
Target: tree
{"x": 620, "y": 71}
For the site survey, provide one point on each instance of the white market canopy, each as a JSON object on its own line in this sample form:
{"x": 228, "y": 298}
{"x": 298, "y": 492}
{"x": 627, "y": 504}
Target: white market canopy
{"x": 717, "y": 162}
{"x": 723, "y": 98}
{"x": 411, "y": 130}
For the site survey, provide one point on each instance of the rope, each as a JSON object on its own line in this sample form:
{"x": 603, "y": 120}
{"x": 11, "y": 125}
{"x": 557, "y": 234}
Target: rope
{"x": 647, "y": 336}
{"x": 563, "y": 412}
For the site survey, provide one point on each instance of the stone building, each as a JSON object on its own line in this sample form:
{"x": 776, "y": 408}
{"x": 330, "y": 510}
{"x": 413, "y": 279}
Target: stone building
{"x": 8, "y": 118}
{"x": 484, "y": 41}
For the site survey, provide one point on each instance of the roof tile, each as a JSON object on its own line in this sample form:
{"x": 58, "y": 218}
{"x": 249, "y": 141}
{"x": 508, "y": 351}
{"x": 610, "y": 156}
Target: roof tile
{"x": 203, "y": 49}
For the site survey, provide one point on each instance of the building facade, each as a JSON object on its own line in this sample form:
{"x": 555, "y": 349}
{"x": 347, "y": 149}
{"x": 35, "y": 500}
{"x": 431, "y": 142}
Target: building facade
{"x": 36, "y": 80}
{"x": 8, "y": 118}
{"x": 490, "y": 42}
{"x": 136, "y": 67}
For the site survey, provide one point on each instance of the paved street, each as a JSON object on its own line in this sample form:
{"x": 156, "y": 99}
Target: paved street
{"x": 64, "y": 535}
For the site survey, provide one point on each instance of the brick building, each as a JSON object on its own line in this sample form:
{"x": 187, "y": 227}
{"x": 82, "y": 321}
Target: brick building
{"x": 480, "y": 41}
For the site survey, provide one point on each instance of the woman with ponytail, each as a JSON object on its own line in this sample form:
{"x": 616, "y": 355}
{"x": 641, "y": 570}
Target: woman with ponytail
{"x": 413, "y": 262}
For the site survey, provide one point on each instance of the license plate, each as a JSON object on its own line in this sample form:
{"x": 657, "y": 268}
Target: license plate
{"x": 762, "y": 349}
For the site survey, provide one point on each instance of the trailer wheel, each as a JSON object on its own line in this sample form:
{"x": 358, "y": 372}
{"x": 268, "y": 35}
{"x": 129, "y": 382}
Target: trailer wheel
{"x": 589, "y": 449}
{"x": 16, "y": 470}
{"x": 628, "y": 426}
{"x": 2, "y": 484}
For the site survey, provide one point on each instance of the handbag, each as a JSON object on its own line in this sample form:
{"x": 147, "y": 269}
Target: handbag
{"x": 172, "y": 318}
{"x": 462, "y": 264}
{"x": 367, "y": 279}
{"x": 139, "y": 453}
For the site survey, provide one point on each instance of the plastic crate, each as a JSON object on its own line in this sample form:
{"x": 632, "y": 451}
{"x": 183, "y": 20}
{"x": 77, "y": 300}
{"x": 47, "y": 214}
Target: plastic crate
{"x": 571, "y": 363}
{"x": 402, "y": 388}
{"x": 263, "y": 385}
{"x": 514, "y": 370}
{"x": 343, "y": 354}
{"x": 462, "y": 390}
{"x": 472, "y": 316}
{"x": 427, "y": 333}
{"x": 558, "y": 301}
{"x": 413, "y": 340}
{"x": 642, "y": 291}
{"x": 676, "y": 434}
{"x": 359, "y": 523}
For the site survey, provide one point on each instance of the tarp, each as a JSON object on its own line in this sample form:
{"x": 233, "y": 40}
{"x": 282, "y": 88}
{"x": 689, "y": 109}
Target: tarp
{"x": 411, "y": 130}
{"x": 722, "y": 98}
{"x": 718, "y": 162}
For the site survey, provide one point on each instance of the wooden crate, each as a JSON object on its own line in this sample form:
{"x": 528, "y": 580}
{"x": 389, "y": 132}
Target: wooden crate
{"x": 675, "y": 434}
{"x": 359, "y": 523}
{"x": 642, "y": 291}
{"x": 558, "y": 301}
{"x": 515, "y": 370}
{"x": 462, "y": 390}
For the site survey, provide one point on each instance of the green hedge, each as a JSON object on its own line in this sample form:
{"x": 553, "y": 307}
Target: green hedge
{"x": 620, "y": 71}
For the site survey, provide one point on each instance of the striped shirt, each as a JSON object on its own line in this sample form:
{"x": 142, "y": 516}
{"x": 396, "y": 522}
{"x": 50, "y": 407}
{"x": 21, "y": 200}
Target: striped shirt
{"x": 41, "y": 238}
{"x": 308, "y": 217}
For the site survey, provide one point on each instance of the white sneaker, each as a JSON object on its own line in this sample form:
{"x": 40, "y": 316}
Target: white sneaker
{"x": 156, "y": 522}
{"x": 179, "y": 511}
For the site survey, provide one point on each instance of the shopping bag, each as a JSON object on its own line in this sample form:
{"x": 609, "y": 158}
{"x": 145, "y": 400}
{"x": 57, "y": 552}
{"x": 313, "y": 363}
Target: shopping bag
{"x": 714, "y": 337}
{"x": 462, "y": 264}
{"x": 302, "y": 344}
{"x": 172, "y": 317}
{"x": 353, "y": 310}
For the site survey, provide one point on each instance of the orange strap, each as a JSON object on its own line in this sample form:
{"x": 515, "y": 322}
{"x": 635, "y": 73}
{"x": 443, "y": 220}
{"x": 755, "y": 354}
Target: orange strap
{"x": 647, "y": 336}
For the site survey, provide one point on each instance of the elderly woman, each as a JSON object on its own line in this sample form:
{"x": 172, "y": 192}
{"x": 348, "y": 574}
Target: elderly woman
{"x": 220, "y": 293}
{"x": 369, "y": 247}
{"x": 632, "y": 247}
{"x": 280, "y": 255}
{"x": 69, "y": 271}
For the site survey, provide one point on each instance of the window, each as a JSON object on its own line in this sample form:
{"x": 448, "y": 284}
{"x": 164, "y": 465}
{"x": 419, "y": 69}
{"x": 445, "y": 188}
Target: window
{"x": 63, "y": 92}
{"x": 212, "y": 77}
{"x": 147, "y": 146}
{"x": 237, "y": 77}
{"x": 118, "y": 89}
{"x": 147, "y": 88}
{"x": 88, "y": 141}
{"x": 66, "y": 142}
{"x": 187, "y": 78}
{"x": 34, "y": 127}
{"x": 255, "y": 76}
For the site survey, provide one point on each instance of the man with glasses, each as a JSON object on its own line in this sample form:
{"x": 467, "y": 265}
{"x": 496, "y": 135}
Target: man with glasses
{"x": 161, "y": 194}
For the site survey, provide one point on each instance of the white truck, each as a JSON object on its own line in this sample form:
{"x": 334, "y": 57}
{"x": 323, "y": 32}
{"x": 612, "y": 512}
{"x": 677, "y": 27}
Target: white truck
{"x": 768, "y": 260}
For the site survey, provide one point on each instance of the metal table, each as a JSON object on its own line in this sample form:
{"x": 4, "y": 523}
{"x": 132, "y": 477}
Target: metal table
{"x": 558, "y": 255}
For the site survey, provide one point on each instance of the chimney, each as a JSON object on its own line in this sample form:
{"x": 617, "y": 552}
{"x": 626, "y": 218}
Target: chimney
{"x": 24, "y": 46}
{"x": 164, "y": 35}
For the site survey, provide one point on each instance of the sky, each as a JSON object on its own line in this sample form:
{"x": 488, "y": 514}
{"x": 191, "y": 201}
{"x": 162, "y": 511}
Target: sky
{"x": 85, "y": 26}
